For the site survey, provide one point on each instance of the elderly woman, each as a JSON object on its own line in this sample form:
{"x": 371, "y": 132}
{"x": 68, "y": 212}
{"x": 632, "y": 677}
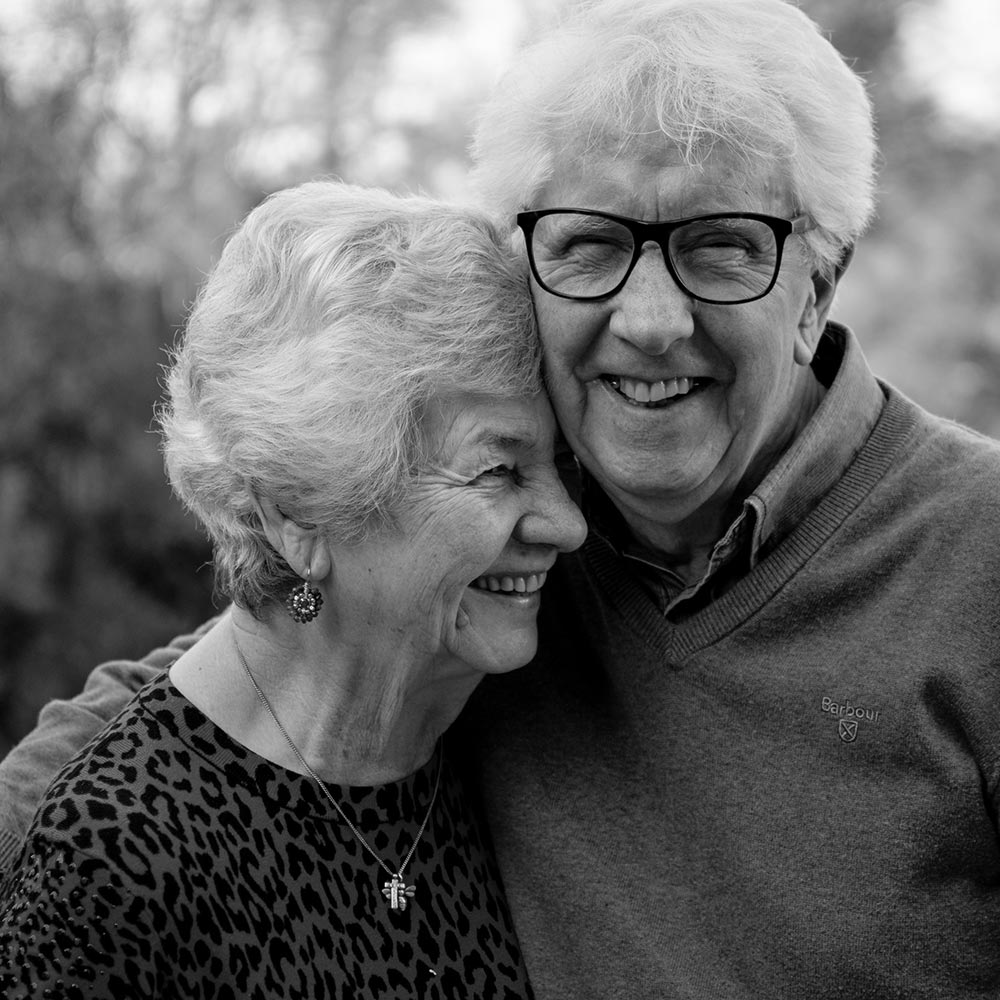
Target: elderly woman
{"x": 355, "y": 416}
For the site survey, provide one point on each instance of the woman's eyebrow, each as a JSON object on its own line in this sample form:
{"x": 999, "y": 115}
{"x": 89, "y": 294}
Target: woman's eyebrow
{"x": 503, "y": 440}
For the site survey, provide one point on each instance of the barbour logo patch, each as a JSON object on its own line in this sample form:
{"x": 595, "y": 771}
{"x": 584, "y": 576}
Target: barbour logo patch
{"x": 849, "y": 717}
{"x": 848, "y": 730}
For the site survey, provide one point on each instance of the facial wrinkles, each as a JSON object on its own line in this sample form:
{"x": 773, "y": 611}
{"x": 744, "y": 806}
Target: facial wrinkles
{"x": 651, "y": 181}
{"x": 417, "y": 618}
{"x": 491, "y": 505}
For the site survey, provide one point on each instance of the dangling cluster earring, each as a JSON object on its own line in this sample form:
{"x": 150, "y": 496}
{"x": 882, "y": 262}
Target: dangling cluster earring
{"x": 304, "y": 602}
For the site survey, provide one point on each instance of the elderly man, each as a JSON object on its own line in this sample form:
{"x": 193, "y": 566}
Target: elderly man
{"x": 759, "y": 755}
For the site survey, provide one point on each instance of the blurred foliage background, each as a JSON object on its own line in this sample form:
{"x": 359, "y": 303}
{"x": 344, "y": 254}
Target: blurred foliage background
{"x": 134, "y": 135}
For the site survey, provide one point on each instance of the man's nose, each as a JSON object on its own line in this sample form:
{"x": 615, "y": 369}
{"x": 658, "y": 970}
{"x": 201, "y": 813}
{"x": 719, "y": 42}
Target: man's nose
{"x": 652, "y": 311}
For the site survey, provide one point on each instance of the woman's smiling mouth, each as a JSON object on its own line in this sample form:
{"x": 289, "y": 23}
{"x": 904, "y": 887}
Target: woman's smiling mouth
{"x": 642, "y": 393}
{"x": 514, "y": 585}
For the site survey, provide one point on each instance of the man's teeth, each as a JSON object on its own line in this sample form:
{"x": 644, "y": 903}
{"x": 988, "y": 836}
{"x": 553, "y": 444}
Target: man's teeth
{"x": 511, "y": 584}
{"x": 652, "y": 392}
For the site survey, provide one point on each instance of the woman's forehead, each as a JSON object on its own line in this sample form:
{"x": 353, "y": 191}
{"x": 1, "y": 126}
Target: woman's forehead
{"x": 468, "y": 422}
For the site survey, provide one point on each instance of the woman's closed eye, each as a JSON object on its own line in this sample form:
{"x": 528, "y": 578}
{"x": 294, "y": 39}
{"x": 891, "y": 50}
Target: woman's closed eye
{"x": 498, "y": 472}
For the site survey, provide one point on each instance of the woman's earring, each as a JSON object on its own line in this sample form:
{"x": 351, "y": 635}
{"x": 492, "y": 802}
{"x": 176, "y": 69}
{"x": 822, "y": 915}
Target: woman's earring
{"x": 304, "y": 602}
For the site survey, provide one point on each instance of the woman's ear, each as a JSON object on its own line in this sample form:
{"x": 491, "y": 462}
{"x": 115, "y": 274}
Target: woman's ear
{"x": 300, "y": 545}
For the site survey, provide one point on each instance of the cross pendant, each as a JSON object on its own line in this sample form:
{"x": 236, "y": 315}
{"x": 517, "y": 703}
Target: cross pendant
{"x": 397, "y": 891}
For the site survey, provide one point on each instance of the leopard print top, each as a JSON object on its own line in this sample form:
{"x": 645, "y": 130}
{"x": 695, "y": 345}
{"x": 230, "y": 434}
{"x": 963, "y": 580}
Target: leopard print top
{"x": 166, "y": 860}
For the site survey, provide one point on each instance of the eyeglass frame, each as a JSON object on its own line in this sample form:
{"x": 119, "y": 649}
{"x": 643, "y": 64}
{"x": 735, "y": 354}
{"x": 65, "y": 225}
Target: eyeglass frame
{"x": 659, "y": 233}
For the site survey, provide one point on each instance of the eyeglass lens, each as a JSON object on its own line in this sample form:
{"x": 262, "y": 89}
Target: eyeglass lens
{"x": 723, "y": 259}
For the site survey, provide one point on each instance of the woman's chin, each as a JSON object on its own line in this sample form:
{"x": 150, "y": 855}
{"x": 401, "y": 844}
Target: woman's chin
{"x": 497, "y": 632}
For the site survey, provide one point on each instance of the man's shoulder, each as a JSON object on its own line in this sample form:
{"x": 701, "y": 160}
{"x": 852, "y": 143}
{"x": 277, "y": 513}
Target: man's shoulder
{"x": 945, "y": 448}
{"x": 940, "y": 495}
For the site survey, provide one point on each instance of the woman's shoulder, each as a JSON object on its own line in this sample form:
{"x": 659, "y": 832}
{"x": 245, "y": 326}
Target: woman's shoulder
{"x": 120, "y": 781}
{"x": 110, "y": 848}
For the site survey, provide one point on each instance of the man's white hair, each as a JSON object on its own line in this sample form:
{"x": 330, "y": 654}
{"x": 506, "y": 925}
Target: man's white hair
{"x": 751, "y": 80}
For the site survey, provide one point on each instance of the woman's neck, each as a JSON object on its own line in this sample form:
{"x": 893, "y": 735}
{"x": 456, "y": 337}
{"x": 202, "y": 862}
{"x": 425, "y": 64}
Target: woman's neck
{"x": 359, "y": 716}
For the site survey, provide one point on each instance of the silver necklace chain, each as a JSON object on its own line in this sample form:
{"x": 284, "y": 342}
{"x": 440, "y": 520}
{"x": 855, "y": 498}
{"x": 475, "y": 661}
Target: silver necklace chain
{"x": 395, "y": 890}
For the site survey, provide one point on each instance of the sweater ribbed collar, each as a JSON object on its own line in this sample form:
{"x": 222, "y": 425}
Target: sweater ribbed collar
{"x": 819, "y": 456}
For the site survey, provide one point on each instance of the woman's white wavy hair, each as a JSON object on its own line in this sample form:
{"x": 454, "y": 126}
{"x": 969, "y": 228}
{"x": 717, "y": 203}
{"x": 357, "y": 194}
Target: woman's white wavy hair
{"x": 334, "y": 315}
{"x": 751, "y": 80}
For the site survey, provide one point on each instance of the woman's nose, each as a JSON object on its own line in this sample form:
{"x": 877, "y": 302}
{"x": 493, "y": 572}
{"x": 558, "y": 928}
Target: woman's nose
{"x": 553, "y": 519}
{"x": 651, "y": 311}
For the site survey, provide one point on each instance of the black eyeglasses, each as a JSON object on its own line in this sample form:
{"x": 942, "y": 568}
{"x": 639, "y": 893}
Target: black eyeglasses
{"x": 725, "y": 259}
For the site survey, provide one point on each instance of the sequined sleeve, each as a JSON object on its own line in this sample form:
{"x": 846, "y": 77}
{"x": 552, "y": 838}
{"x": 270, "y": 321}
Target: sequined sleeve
{"x": 70, "y": 929}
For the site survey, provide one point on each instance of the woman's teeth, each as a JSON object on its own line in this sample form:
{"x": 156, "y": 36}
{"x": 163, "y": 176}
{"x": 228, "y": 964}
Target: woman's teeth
{"x": 651, "y": 392}
{"x": 511, "y": 584}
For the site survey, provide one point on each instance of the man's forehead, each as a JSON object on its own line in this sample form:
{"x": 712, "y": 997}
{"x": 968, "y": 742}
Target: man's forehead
{"x": 643, "y": 167}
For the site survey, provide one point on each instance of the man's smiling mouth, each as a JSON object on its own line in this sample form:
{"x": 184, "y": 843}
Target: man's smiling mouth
{"x": 658, "y": 393}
